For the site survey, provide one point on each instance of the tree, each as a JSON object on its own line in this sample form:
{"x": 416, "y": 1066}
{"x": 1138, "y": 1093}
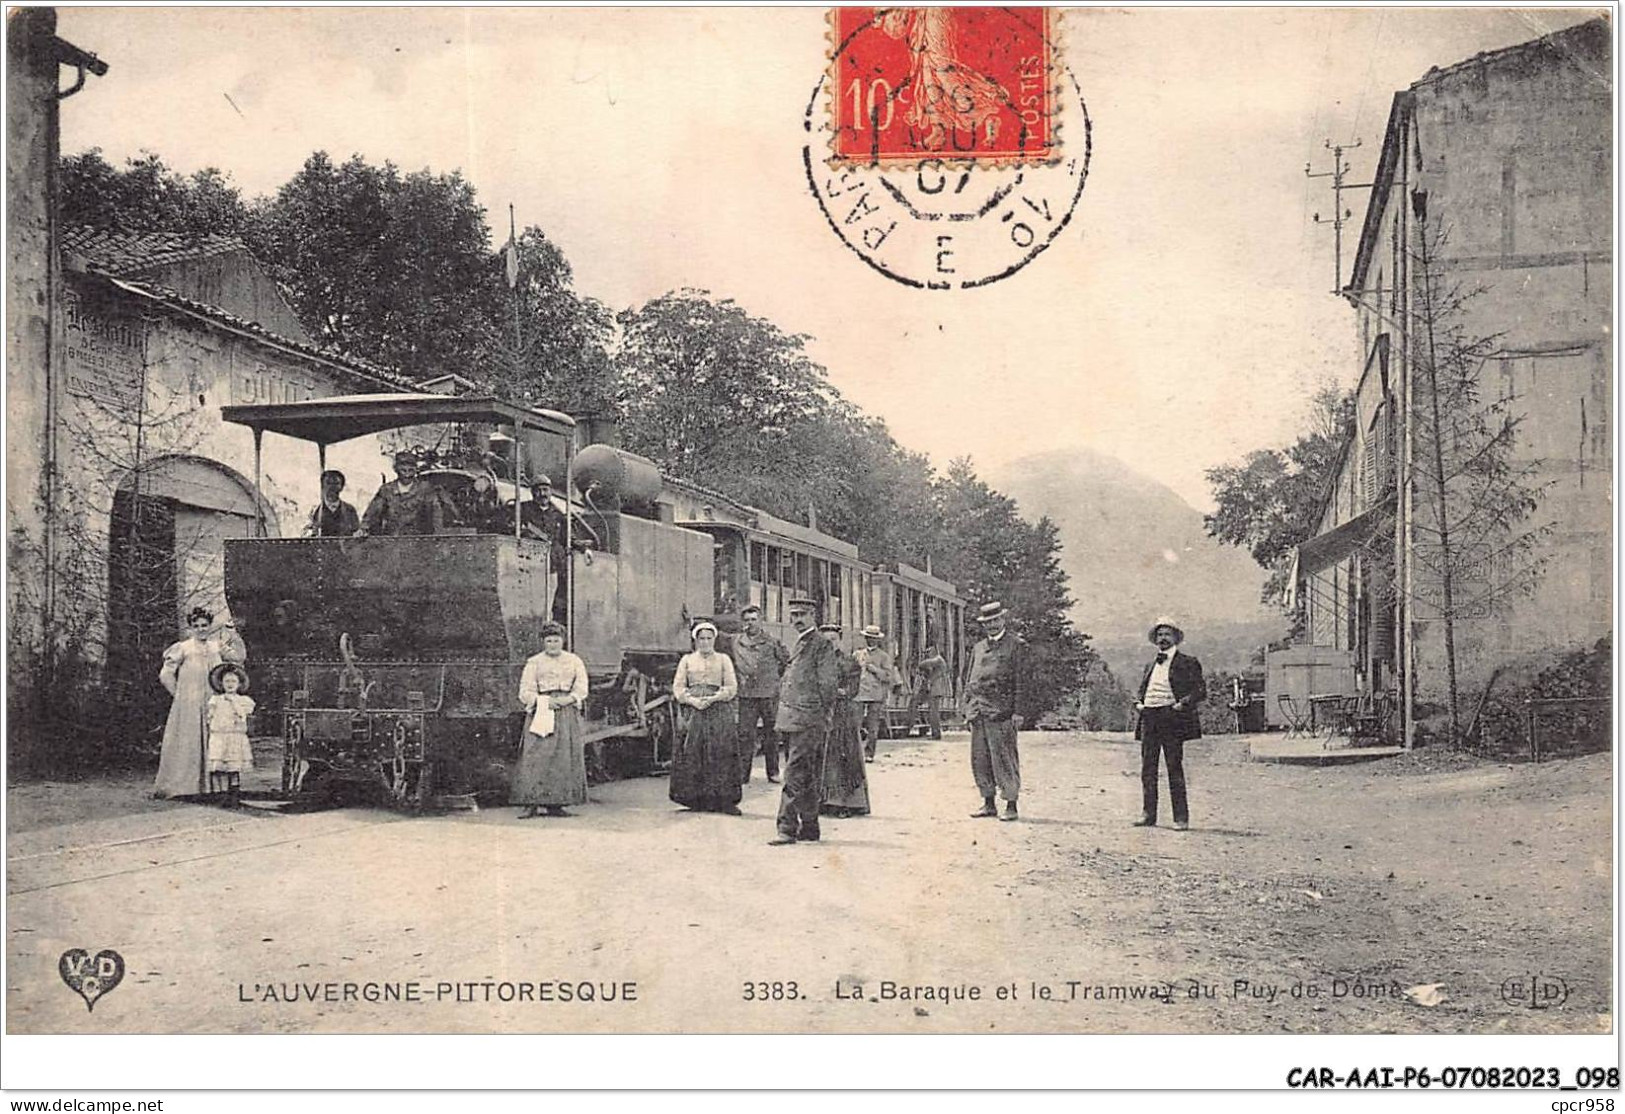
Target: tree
{"x": 146, "y": 195}
{"x": 991, "y": 553}
{"x": 1272, "y": 501}
{"x": 873, "y": 492}
{"x": 392, "y": 268}
{"x": 1470, "y": 542}
{"x": 720, "y": 397}
{"x": 547, "y": 344}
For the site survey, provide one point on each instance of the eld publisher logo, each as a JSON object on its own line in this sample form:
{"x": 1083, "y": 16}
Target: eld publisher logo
{"x": 89, "y": 976}
{"x": 1538, "y": 992}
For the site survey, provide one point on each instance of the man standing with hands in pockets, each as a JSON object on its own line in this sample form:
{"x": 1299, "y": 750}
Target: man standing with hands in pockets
{"x": 1169, "y": 692}
{"x": 992, "y": 694}
{"x": 758, "y": 659}
{"x": 806, "y": 706}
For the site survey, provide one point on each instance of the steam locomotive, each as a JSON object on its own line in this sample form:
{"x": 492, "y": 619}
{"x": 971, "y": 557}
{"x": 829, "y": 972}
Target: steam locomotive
{"x": 391, "y": 664}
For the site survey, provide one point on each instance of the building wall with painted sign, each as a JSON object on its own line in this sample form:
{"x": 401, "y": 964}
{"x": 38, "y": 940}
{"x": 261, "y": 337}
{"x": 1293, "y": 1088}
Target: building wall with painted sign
{"x": 140, "y": 428}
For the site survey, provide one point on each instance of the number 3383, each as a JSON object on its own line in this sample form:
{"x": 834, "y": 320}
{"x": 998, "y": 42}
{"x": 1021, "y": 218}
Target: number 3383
{"x": 770, "y": 992}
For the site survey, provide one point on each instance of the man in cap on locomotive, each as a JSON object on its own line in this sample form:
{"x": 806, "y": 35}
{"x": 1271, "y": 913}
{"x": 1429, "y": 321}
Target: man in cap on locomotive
{"x": 806, "y": 708}
{"x": 992, "y": 695}
{"x": 1170, "y": 690}
{"x": 759, "y": 660}
{"x": 406, "y": 505}
{"x": 540, "y": 520}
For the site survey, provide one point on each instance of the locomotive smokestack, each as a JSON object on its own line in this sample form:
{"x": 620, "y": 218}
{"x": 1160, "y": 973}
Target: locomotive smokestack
{"x": 602, "y": 429}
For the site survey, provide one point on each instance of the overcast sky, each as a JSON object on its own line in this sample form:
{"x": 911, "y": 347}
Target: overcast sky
{"x": 1183, "y": 319}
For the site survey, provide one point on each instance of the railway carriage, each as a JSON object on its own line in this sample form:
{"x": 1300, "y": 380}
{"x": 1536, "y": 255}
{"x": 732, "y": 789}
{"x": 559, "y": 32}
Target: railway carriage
{"x": 763, "y": 560}
{"x": 920, "y": 610}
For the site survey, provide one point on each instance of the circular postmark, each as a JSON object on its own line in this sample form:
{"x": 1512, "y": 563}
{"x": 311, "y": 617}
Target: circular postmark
{"x": 946, "y": 182}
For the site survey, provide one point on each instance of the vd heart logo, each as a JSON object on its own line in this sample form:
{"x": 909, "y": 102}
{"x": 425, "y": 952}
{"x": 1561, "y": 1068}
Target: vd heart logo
{"x": 91, "y": 978}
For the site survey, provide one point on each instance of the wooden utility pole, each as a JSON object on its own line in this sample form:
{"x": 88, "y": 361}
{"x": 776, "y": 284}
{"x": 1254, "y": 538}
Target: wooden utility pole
{"x": 1340, "y": 214}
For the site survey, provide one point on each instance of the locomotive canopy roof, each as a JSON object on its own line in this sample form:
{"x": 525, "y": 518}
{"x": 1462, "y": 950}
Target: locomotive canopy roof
{"x": 327, "y": 421}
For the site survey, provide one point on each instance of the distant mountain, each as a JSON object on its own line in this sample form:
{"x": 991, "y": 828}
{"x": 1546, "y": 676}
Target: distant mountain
{"x": 1134, "y": 550}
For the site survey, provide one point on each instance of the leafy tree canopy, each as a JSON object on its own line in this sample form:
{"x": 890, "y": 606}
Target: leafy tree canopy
{"x": 1271, "y": 501}
{"x": 146, "y": 195}
{"x": 390, "y": 266}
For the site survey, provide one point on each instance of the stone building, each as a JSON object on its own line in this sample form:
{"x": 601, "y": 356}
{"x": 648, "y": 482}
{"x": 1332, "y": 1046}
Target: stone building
{"x": 36, "y": 64}
{"x": 150, "y": 480}
{"x": 1495, "y": 180}
{"x": 122, "y": 479}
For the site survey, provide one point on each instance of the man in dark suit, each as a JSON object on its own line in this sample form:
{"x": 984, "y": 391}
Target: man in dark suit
{"x": 806, "y": 707}
{"x": 333, "y": 517}
{"x": 1170, "y": 690}
{"x": 541, "y": 521}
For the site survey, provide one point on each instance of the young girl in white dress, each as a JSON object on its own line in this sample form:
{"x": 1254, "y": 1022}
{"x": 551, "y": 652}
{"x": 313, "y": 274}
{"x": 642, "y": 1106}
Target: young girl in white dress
{"x": 227, "y": 750}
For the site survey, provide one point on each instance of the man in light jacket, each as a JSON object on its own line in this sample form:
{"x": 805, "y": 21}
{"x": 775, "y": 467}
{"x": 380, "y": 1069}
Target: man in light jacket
{"x": 879, "y": 675}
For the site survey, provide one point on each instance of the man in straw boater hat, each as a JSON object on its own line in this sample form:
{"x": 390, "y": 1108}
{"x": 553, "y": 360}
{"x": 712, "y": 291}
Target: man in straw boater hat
{"x": 992, "y": 695}
{"x": 1169, "y": 693}
{"x": 879, "y": 675}
{"x": 930, "y": 686}
{"x": 806, "y": 709}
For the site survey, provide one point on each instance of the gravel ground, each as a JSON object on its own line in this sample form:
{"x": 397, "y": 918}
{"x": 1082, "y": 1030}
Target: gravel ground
{"x": 1303, "y": 900}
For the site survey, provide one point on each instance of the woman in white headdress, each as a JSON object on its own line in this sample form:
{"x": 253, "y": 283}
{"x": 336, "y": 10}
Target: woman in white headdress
{"x": 705, "y": 764}
{"x": 552, "y": 768}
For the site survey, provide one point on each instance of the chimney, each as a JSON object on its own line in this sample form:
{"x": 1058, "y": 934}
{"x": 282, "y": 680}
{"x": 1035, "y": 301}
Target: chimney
{"x": 602, "y": 429}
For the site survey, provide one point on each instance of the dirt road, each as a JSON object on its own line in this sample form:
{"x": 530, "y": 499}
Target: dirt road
{"x": 1302, "y": 900}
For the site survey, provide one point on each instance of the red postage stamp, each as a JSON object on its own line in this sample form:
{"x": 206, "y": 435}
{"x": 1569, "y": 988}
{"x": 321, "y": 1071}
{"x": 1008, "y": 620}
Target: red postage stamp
{"x": 960, "y": 84}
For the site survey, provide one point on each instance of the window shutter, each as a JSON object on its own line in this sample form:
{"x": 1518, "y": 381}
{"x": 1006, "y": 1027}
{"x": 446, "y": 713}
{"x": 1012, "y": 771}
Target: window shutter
{"x": 1369, "y": 471}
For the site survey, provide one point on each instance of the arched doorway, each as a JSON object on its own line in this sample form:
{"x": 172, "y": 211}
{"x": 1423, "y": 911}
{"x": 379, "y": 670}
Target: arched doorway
{"x": 166, "y": 555}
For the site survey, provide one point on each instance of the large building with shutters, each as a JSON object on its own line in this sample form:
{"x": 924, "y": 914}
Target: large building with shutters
{"x": 1502, "y": 166}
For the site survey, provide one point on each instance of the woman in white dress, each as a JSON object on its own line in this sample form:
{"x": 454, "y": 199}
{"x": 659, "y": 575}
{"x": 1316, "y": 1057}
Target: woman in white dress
{"x": 552, "y": 768}
{"x": 182, "y": 767}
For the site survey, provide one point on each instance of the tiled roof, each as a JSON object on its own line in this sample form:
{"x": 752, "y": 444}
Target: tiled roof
{"x": 359, "y": 367}
{"x": 712, "y": 493}
{"x": 120, "y": 252}
{"x": 1564, "y": 43}
{"x": 123, "y": 256}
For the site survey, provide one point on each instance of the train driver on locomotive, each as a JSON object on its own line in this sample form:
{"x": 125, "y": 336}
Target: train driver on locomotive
{"x": 406, "y": 505}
